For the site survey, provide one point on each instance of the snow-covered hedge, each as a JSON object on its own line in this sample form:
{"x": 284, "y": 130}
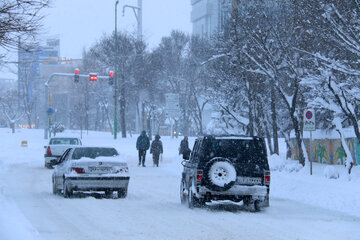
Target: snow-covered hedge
{"x": 331, "y": 173}
{"x": 280, "y": 164}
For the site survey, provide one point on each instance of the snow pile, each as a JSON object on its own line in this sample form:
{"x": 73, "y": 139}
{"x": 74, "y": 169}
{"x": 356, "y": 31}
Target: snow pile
{"x": 331, "y": 173}
{"x": 280, "y": 164}
{"x": 18, "y": 226}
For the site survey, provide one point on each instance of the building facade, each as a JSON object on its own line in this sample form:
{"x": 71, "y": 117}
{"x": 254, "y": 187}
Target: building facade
{"x": 36, "y": 63}
{"x": 31, "y": 57}
{"x": 209, "y": 16}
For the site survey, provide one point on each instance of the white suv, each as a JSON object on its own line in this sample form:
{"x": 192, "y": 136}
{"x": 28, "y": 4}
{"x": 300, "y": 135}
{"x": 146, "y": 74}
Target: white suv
{"x": 57, "y": 146}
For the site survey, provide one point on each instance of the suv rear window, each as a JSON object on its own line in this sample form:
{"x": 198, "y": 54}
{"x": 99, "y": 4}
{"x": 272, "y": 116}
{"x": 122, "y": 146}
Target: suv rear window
{"x": 239, "y": 150}
{"x": 94, "y": 152}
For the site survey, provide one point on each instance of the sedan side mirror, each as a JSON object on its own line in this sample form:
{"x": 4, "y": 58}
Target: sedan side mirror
{"x": 54, "y": 162}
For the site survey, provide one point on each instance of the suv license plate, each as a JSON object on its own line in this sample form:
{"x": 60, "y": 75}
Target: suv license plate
{"x": 249, "y": 180}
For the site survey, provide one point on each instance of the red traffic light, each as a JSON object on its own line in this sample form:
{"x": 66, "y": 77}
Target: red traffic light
{"x": 93, "y": 77}
{"x": 111, "y": 77}
{"x": 76, "y": 75}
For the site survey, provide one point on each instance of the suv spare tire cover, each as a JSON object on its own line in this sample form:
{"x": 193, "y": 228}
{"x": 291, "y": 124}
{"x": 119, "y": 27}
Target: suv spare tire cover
{"x": 220, "y": 174}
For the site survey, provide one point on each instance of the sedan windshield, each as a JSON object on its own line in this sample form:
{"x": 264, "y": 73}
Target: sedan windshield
{"x": 94, "y": 152}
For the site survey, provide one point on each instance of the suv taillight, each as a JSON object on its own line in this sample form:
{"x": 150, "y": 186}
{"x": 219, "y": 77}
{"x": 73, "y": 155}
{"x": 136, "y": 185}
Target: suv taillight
{"x": 78, "y": 170}
{"x": 267, "y": 177}
{"x": 199, "y": 175}
{"x": 48, "y": 150}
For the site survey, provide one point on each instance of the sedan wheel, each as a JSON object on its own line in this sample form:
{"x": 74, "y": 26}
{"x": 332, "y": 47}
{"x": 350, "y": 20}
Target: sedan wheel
{"x": 108, "y": 194}
{"x": 67, "y": 190}
{"x": 55, "y": 190}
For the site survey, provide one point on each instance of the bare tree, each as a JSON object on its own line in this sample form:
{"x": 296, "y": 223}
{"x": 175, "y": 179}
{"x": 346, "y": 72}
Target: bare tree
{"x": 19, "y": 18}
{"x": 10, "y": 111}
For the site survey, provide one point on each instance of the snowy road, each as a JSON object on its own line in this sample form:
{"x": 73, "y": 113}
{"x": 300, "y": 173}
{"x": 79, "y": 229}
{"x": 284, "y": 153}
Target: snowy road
{"x": 152, "y": 210}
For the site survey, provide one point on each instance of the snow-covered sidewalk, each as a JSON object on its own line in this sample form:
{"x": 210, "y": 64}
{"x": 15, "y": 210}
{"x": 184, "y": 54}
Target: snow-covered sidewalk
{"x": 291, "y": 181}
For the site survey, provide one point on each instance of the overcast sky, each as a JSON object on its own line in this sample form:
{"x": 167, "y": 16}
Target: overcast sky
{"x": 80, "y": 23}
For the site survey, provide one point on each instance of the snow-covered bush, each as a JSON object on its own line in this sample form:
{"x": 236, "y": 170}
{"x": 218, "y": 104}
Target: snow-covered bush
{"x": 280, "y": 164}
{"x": 215, "y": 126}
{"x": 330, "y": 172}
{"x": 294, "y": 166}
{"x": 276, "y": 162}
{"x": 57, "y": 127}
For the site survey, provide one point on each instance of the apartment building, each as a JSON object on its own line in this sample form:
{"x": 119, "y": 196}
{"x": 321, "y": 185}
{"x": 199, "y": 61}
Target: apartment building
{"x": 209, "y": 16}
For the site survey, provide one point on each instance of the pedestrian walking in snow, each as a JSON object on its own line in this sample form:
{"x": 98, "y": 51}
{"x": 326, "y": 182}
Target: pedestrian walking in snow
{"x": 156, "y": 149}
{"x": 142, "y": 145}
{"x": 184, "y": 148}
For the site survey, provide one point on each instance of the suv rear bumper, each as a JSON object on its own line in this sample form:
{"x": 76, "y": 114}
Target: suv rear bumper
{"x": 256, "y": 192}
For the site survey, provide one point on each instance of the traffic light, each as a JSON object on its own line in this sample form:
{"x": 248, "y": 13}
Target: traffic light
{"x": 76, "y": 75}
{"x": 111, "y": 78}
{"x": 93, "y": 77}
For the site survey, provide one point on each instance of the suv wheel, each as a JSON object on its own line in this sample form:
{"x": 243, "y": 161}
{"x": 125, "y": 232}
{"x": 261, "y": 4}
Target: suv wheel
{"x": 182, "y": 189}
{"x": 257, "y": 206}
{"x": 191, "y": 199}
{"x": 220, "y": 174}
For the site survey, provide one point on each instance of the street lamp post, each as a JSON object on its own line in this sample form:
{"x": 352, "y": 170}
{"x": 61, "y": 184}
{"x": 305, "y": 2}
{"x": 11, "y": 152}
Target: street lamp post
{"x": 138, "y": 15}
{"x": 116, "y": 72}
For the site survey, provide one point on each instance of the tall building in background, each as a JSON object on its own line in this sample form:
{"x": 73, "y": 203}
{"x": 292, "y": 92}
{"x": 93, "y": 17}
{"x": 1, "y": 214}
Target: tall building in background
{"x": 37, "y": 62}
{"x": 209, "y": 16}
{"x": 30, "y": 59}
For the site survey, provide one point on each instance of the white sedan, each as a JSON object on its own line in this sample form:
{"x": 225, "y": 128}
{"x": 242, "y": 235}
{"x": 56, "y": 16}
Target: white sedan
{"x": 90, "y": 169}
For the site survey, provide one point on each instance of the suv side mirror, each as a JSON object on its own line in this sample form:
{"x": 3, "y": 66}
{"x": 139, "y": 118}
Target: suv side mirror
{"x": 184, "y": 162}
{"x": 186, "y": 156}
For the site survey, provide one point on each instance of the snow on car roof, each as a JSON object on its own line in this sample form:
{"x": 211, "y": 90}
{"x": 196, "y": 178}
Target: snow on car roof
{"x": 235, "y": 137}
{"x": 116, "y": 158}
{"x": 62, "y": 137}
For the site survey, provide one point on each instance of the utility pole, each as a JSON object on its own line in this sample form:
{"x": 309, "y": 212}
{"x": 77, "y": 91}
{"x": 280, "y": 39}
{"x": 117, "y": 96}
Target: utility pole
{"x": 116, "y": 72}
{"x": 138, "y": 15}
{"x": 139, "y": 21}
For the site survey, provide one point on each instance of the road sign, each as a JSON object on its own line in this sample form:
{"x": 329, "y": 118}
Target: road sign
{"x": 172, "y": 106}
{"x": 50, "y": 111}
{"x": 24, "y": 143}
{"x": 309, "y": 120}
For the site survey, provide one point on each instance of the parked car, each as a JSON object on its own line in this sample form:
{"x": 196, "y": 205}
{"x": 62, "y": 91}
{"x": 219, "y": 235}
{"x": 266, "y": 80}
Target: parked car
{"x": 90, "y": 169}
{"x": 57, "y": 146}
{"x": 226, "y": 168}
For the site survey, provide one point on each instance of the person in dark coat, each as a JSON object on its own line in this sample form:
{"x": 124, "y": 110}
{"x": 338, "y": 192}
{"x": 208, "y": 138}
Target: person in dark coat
{"x": 184, "y": 148}
{"x": 156, "y": 149}
{"x": 142, "y": 144}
